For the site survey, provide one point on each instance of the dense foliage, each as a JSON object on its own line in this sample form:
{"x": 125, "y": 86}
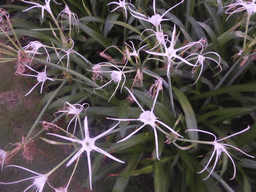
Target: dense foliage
{"x": 155, "y": 95}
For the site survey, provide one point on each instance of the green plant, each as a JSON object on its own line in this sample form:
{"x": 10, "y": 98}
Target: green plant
{"x": 119, "y": 53}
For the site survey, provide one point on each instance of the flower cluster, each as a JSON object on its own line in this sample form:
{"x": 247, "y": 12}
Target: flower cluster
{"x": 154, "y": 49}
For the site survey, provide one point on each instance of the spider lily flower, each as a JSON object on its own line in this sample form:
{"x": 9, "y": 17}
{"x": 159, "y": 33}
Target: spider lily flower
{"x": 41, "y": 78}
{"x": 201, "y": 58}
{"x": 121, "y": 4}
{"x": 155, "y": 19}
{"x": 88, "y": 145}
{"x": 75, "y": 110}
{"x": 134, "y": 53}
{"x": 33, "y": 47}
{"x": 159, "y": 35}
{"x": 171, "y": 53}
{"x": 147, "y": 118}
{"x": 220, "y": 148}
{"x": 43, "y": 7}
{"x": 3, "y": 155}
{"x": 38, "y": 183}
{"x": 72, "y": 17}
{"x": 239, "y": 6}
{"x": 67, "y": 54}
{"x": 116, "y": 77}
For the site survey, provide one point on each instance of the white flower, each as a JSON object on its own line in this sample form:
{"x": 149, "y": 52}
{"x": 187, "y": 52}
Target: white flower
{"x": 43, "y": 7}
{"x": 67, "y": 54}
{"x": 239, "y": 6}
{"x": 72, "y": 17}
{"x": 33, "y": 47}
{"x": 41, "y": 78}
{"x": 171, "y": 53}
{"x": 219, "y": 148}
{"x": 121, "y": 4}
{"x": 159, "y": 35}
{"x": 155, "y": 19}
{"x": 75, "y": 110}
{"x": 134, "y": 53}
{"x": 38, "y": 183}
{"x": 88, "y": 145}
{"x": 3, "y": 155}
{"x": 147, "y": 118}
{"x": 201, "y": 58}
{"x": 116, "y": 76}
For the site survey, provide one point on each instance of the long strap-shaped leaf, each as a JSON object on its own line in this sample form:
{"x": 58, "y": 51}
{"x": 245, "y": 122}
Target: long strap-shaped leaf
{"x": 189, "y": 113}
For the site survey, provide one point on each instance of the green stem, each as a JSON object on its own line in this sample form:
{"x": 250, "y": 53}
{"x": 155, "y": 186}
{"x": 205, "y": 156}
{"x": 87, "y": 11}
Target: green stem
{"x": 246, "y": 30}
{"x": 195, "y": 141}
{"x": 165, "y": 133}
{"x": 171, "y": 97}
{"x": 61, "y": 163}
{"x": 43, "y": 111}
{"x": 81, "y": 128}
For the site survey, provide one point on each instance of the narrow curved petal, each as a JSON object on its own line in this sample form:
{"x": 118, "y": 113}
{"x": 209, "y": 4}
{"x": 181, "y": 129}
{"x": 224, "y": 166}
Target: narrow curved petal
{"x": 64, "y": 137}
{"x": 156, "y": 141}
{"x": 169, "y": 128}
{"x": 215, "y": 163}
{"x": 131, "y": 134}
{"x": 89, "y": 168}
{"x": 106, "y": 132}
{"x": 107, "y": 154}
{"x": 75, "y": 157}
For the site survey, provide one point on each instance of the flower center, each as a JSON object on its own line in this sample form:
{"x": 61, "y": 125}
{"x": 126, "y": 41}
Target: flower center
{"x": 41, "y": 77}
{"x": 148, "y": 118}
{"x": 116, "y": 76}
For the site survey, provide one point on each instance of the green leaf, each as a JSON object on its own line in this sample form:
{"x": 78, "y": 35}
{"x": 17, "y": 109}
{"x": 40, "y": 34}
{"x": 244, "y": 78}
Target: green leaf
{"x": 95, "y": 35}
{"x": 225, "y": 114}
{"x": 189, "y": 113}
{"x": 109, "y": 23}
{"x": 126, "y": 26}
{"x": 159, "y": 177}
{"x": 186, "y": 159}
{"x": 134, "y": 140}
{"x": 231, "y": 89}
{"x": 122, "y": 181}
{"x": 123, "y": 114}
{"x": 247, "y": 186}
